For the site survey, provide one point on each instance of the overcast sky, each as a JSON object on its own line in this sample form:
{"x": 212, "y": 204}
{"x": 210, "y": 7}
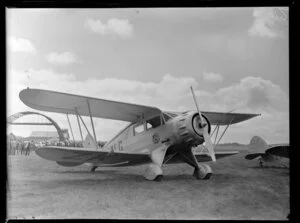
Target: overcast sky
{"x": 235, "y": 58}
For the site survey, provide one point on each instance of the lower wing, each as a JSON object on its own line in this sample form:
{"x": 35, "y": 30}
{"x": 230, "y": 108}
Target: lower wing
{"x": 71, "y": 156}
{"x": 202, "y": 157}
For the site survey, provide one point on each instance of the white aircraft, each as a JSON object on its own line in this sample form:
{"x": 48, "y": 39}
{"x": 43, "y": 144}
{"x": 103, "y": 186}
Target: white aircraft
{"x": 153, "y": 137}
{"x": 266, "y": 153}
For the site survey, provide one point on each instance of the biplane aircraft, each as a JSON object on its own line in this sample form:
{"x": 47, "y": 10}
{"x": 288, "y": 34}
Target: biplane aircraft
{"x": 266, "y": 153}
{"x": 152, "y": 136}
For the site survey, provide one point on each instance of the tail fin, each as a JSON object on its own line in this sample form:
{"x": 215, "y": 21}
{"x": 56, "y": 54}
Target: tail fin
{"x": 89, "y": 142}
{"x": 257, "y": 144}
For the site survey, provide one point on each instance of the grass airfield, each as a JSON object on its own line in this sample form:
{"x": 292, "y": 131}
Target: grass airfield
{"x": 237, "y": 190}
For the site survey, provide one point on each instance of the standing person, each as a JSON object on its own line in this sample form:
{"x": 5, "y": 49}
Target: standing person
{"x": 22, "y": 148}
{"x": 8, "y": 150}
{"x": 27, "y": 147}
{"x": 31, "y": 148}
{"x": 13, "y": 147}
{"x": 17, "y": 148}
{"x": 9, "y": 147}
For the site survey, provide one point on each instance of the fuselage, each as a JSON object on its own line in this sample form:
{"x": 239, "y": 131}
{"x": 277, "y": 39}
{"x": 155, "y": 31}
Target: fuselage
{"x": 181, "y": 131}
{"x": 269, "y": 158}
{"x": 273, "y": 161}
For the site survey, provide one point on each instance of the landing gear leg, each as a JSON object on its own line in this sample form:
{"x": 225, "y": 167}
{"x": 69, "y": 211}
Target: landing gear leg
{"x": 154, "y": 170}
{"x": 93, "y": 169}
{"x": 261, "y": 163}
{"x": 201, "y": 171}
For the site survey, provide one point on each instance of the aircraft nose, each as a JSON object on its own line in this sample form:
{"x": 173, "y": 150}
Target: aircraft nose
{"x": 190, "y": 129}
{"x": 197, "y": 126}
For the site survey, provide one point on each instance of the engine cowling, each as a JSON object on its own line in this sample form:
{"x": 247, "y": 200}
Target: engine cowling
{"x": 188, "y": 128}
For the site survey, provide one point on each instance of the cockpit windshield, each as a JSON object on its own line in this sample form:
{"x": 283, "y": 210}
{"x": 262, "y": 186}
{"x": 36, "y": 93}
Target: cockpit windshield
{"x": 172, "y": 114}
{"x": 153, "y": 122}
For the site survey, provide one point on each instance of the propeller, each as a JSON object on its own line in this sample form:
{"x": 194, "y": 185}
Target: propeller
{"x": 203, "y": 126}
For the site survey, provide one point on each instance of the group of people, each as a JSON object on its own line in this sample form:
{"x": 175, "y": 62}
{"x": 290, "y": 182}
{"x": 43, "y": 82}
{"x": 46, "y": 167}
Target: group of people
{"x": 65, "y": 143}
{"x": 20, "y": 148}
{"x": 69, "y": 143}
{"x": 15, "y": 147}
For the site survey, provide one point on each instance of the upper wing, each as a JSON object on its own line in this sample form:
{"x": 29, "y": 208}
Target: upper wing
{"x": 221, "y": 118}
{"x": 282, "y": 150}
{"x": 52, "y": 101}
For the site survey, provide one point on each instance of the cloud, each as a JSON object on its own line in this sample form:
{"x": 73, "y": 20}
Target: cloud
{"x": 159, "y": 94}
{"x": 269, "y": 22}
{"x": 61, "y": 58}
{"x": 115, "y": 27}
{"x": 20, "y": 45}
{"x": 254, "y": 94}
{"x": 250, "y": 94}
{"x": 212, "y": 77}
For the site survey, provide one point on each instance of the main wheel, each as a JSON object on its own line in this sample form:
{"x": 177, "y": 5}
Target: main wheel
{"x": 93, "y": 169}
{"x": 204, "y": 172}
{"x": 153, "y": 172}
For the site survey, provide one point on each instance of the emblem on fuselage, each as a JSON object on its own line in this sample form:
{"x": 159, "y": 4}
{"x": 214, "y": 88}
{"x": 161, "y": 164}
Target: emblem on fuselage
{"x": 155, "y": 138}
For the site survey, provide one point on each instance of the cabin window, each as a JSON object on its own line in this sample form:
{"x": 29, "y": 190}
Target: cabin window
{"x": 149, "y": 126}
{"x": 139, "y": 129}
{"x": 153, "y": 122}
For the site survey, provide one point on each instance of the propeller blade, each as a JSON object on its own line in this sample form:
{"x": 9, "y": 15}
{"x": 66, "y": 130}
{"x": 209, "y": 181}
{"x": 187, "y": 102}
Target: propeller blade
{"x": 209, "y": 144}
{"x": 207, "y": 139}
{"x": 201, "y": 120}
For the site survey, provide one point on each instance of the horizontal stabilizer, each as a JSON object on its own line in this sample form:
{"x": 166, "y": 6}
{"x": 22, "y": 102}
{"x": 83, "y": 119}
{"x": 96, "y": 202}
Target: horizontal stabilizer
{"x": 282, "y": 151}
{"x": 253, "y": 156}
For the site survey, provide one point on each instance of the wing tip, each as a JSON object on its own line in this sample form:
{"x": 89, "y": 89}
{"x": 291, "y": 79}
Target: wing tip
{"x": 22, "y": 95}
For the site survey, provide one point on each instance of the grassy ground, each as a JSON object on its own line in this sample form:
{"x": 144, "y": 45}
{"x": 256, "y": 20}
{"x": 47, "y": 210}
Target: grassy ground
{"x": 39, "y": 188}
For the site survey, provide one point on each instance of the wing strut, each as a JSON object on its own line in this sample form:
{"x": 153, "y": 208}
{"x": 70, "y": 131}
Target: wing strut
{"x": 87, "y": 100}
{"x": 87, "y": 130}
{"x": 79, "y": 124}
{"x": 225, "y": 130}
{"x": 70, "y": 127}
{"x": 216, "y": 136}
{"x": 215, "y": 128}
{"x": 218, "y": 127}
